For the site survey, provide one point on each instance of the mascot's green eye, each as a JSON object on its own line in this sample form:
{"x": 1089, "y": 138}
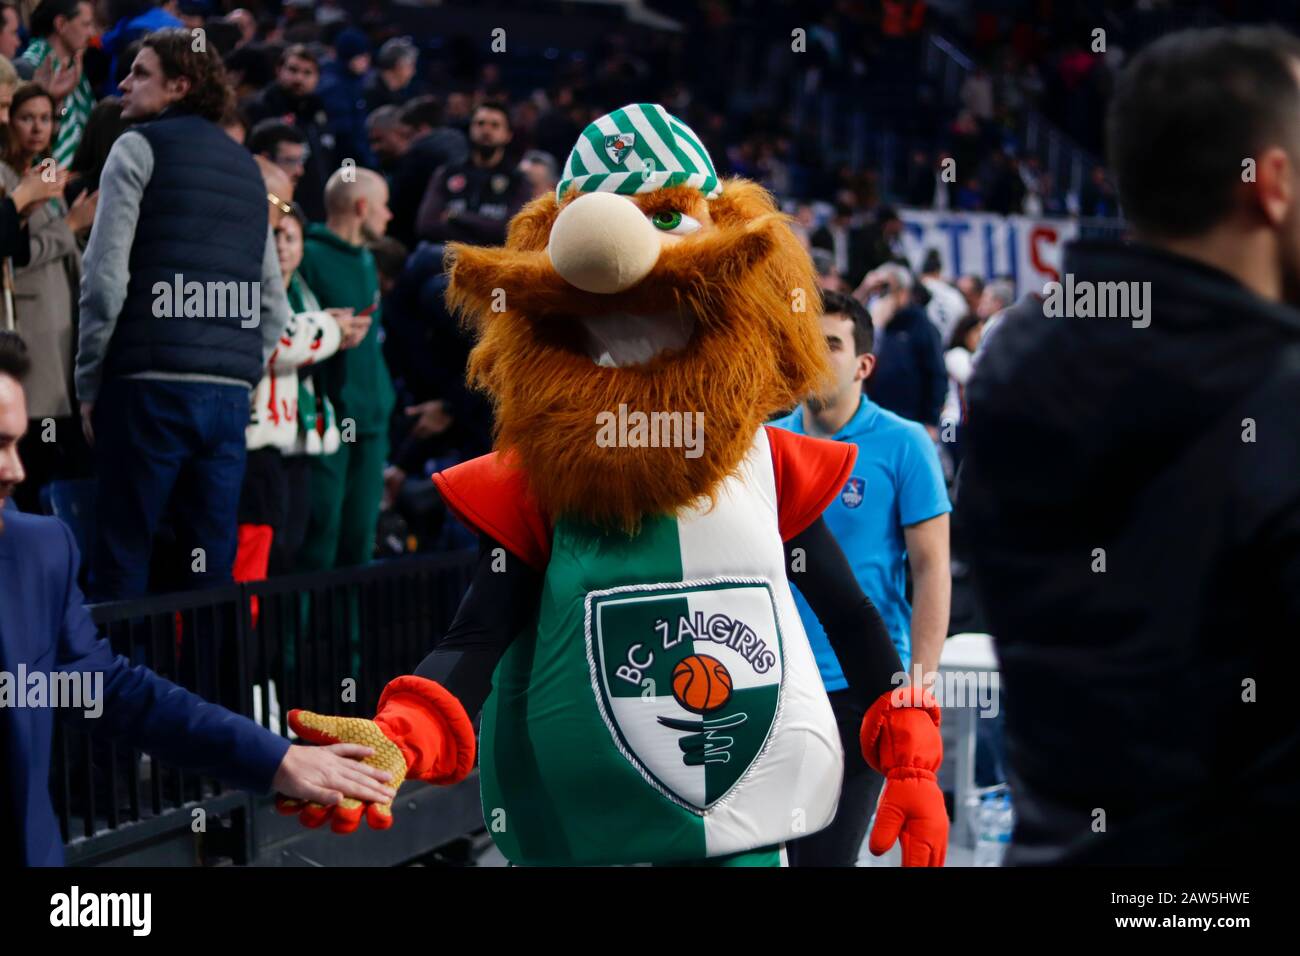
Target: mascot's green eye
{"x": 674, "y": 222}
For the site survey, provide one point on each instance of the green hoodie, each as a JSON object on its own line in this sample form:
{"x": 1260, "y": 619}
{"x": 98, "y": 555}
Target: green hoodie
{"x": 356, "y": 380}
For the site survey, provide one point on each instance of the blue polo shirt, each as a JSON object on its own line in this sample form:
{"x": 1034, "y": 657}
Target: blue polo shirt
{"x": 897, "y": 481}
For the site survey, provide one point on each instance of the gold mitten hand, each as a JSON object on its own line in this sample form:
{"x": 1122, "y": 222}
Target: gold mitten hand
{"x": 421, "y": 731}
{"x": 346, "y": 815}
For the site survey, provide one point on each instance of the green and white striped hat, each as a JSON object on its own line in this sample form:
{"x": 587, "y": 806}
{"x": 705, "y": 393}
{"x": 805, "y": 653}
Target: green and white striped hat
{"x": 638, "y": 149}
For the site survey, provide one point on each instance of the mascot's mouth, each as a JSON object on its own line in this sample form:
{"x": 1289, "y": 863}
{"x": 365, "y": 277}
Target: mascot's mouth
{"x": 620, "y": 339}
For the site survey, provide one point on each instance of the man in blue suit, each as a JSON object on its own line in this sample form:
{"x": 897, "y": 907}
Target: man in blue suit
{"x": 47, "y": 641}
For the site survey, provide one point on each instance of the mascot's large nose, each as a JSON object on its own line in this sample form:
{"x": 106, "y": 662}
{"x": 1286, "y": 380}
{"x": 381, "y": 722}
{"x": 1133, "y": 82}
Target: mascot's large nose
{"x": 602, "y": 242}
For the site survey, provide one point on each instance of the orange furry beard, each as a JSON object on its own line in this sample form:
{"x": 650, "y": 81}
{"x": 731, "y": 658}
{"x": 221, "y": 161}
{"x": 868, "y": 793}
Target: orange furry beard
{"x": 751, "y": 355}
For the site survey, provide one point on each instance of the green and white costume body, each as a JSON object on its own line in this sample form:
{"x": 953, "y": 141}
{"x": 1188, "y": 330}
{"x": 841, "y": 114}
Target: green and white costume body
{"x": 586, "y": 754}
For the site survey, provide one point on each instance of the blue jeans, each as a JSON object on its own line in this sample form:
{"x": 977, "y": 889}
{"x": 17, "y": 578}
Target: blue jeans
{"x": 157, "y": 442}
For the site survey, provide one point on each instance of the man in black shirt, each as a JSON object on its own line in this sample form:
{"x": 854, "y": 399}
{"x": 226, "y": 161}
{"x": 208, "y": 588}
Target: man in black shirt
{"x": 474, "y": 200}
{"x": 1132, "y": 485}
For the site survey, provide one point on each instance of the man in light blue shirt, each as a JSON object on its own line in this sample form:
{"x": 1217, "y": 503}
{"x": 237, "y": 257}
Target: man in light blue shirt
{"x": 891, "y": 514}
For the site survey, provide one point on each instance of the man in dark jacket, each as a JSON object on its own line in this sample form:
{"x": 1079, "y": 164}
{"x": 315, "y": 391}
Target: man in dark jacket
{"x": 293, "y": 99}
{"x": 910, "y": 379}
{"x": 473, "y": 201}
{"x": 182, "y": 306}
{"x": 393, "y": 80}
{"x": 1132, "y": 488}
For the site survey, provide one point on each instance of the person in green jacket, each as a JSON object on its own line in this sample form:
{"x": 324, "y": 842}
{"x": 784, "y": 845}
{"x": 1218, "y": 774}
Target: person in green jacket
{"x": 347, "y": 486}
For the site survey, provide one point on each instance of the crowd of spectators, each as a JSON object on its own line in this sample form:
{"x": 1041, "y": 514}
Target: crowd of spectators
{"x": 268, "y": 439}
{"x": 375, "y": 149}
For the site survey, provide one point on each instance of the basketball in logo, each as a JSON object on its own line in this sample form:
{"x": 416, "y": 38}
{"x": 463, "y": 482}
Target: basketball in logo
{"x": 701, "y": 683}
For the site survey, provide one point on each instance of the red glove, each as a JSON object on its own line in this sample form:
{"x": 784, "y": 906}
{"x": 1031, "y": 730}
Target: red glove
{"x": 420, "y": 731}
{"x": 900, "y": 738}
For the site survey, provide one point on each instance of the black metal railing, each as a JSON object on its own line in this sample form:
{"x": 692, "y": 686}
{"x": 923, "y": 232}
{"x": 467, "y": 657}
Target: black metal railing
{"x": 326, "y": 642}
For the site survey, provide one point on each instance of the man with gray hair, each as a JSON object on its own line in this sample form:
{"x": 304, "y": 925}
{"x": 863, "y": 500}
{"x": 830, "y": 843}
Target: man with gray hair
{"x": 391, "y": 82}
{"x": 541, "y": 171}
{"x": 910, "y": 379}
{"x": 998, "y": 296}
{"x": 388, "y": 136}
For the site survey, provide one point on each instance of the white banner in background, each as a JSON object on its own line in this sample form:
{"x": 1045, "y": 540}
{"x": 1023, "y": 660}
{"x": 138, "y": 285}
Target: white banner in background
{"x": 1026, "y": 249}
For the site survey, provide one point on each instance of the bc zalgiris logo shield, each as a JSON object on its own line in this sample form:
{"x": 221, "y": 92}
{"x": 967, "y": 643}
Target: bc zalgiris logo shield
{"x": 617, "y": 147}
{"x": 688, "y": 680}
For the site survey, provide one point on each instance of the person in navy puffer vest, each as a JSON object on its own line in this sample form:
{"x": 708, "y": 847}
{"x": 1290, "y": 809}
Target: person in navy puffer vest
{"x": 181, "y": 305}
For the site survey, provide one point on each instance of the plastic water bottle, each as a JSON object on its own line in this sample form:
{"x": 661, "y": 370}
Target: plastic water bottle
{"x": 994, "y": 822}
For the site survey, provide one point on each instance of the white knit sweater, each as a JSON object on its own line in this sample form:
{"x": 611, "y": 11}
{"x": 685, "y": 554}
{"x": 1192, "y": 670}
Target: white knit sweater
{"x": 310, "y": 336}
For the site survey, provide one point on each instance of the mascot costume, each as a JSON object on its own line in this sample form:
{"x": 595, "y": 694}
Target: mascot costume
{"x": 648, "y": 694}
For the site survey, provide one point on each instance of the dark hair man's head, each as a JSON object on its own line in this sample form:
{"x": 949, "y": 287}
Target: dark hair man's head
{"x": 299, "y": 70}
{"x": 422, "y": 114}
{"x": 14, "y": 365}
{"x": 843, "y": 306}
{"x": 1203, "y": 135}
{"x": 850, "y": 338}
{"x": 282, "y": 144}
{"x": 67, "y": 24}
{"x": 489, "y": 131}
{"x": 168, "y": 71}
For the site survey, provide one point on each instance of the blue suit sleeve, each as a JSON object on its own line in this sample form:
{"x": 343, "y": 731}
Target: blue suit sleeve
{"x": 153, "y": 714}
